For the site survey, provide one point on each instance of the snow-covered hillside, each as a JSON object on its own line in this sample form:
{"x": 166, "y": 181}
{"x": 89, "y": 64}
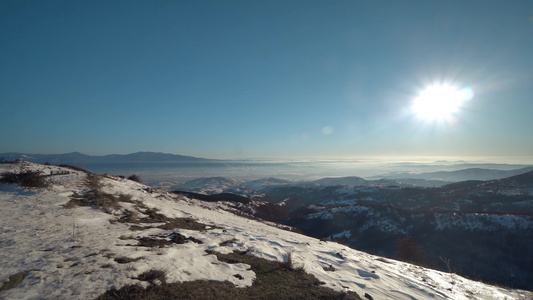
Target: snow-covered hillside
{"x": 79, "y": 252}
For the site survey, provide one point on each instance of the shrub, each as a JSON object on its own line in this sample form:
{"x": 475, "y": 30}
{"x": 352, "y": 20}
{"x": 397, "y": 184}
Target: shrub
{"x": 135, "y": 178}
{"x": 409, "y": 251}
{"x": 8, "y": 177}
{"x": 34, "y": 179}
{"x": 152, "y": 275}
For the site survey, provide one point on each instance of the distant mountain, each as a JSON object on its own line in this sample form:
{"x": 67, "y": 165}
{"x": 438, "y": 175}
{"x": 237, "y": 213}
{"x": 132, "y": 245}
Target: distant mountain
{"x": 150, "y": 157}
{"x": 523, "y": 180}
{"x": 350, "y": 180}
{"x": 258, "y": 184}
{"x": 80, "y": 158}
{"x": 271, "y": 186}
{"x": 462, "y": 175}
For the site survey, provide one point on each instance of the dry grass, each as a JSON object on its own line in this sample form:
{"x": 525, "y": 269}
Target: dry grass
{"x": 152, "y": 276}
{"x": 126, "y": 260}
{"x": 94, "y": 181}
{"x": 14, "y": 281}
{"x": 96, "y": 198}
{"x": 329, "y": 268}
{"x": 162, "y": 241}
{"x": 228, "y": 242}
{"x": 273, "y": 281}
{"x": 153, "y": 216}
{"x": 289, "y": 264}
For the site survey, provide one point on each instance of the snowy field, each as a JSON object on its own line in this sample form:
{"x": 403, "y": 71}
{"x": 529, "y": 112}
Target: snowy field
{"x": 77, "y": 253}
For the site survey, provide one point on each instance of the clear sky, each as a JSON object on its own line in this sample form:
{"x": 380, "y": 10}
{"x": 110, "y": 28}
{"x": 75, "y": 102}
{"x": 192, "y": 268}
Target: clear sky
{"x": 247, "y": 79}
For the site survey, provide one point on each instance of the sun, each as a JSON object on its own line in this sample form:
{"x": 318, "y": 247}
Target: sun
{"x": 440, "y": 102}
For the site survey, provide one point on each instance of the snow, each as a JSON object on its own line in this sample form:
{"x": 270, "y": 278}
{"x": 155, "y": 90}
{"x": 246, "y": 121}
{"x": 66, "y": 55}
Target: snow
{"x": 346, "y": 234}
{"x": 345, "y": 190}
{"x": 329, "y": 213}
{"x": 341, "y": 202}
{"x": 70, "y": 253}
{"x": 482, "y": 222}
{"x": 510, "y": 192}
{"x": 315, "y": 207}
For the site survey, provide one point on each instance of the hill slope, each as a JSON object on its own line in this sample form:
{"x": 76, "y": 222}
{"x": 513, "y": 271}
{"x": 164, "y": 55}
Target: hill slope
{"x": 87, "y": 234}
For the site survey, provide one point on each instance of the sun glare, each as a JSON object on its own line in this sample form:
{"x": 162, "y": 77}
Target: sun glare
{"x": 440, "y": 102}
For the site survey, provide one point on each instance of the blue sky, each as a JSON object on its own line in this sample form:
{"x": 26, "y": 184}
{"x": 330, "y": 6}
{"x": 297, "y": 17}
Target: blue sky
{"x": 270, "y": 79}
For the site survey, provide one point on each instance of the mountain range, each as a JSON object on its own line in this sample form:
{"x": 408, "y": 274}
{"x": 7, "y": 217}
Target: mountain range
{"x": 80, "y": 158}
{"x": 461, "y": 175}
{"x": 460, "y": 172}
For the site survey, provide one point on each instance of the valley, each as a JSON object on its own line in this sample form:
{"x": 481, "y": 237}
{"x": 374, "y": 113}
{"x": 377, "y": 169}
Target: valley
{"x": 483, "y": 228}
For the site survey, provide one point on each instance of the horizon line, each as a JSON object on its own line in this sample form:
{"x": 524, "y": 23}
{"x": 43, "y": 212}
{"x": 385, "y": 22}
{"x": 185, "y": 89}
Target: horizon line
{"x": 361, "y": 158}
